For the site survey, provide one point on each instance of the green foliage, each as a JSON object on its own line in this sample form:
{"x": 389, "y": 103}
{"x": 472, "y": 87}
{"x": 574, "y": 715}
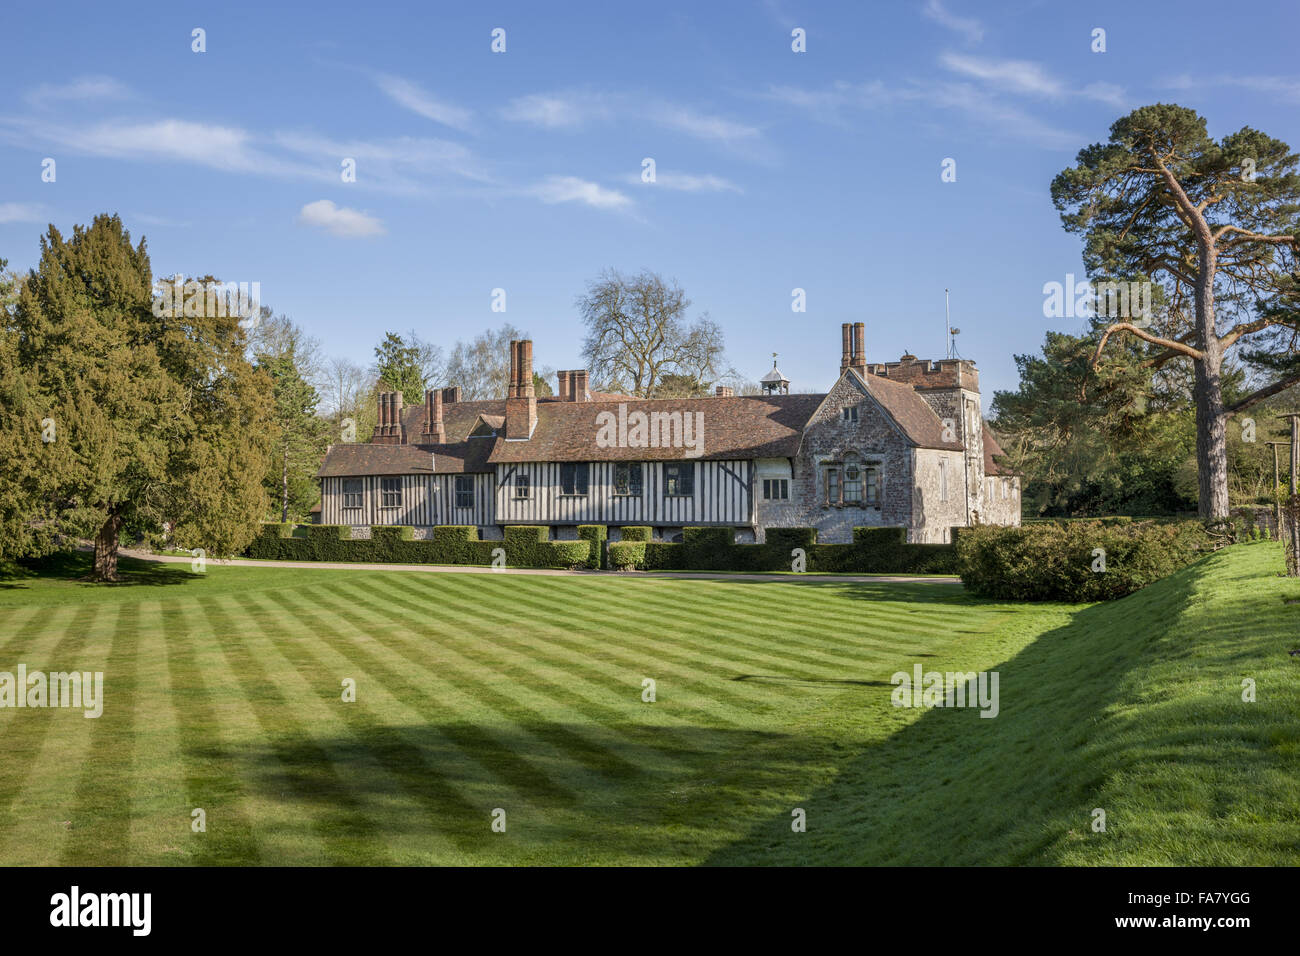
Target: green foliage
{"x": 525, "y": 546}
{"x": 1063, "y": 561}
{"x": 635, "y": 533}
{"x": 398, "y": 367}
{"x": 159, "y": 420}
{"x": 596, "y": 534}
{"x": 1097, "y": 441}
{"x": 301, "y": 437}
{"x": 627, "y": 555}
{"x": 874, "y": 551}
{"x": 787, "y": 539}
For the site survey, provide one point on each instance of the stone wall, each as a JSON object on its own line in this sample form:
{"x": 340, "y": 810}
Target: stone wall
{"x": 876, "y": 441}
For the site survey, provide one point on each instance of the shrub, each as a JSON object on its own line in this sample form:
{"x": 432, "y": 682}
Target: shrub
{"x": 596, "y": 535}
{"x": 635, "y": 532}
{"x": 627, "y": 555}
{"x": 787, "y": 539}
{"x": 1056, "y": 561}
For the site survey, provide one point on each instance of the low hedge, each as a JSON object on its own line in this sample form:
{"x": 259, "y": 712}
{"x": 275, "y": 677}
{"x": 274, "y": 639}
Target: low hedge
{"x": 596, "y": 535}
{"x": 873, "y": 551}
{"x": 525, "y": 547}
{"x": 635, "y": 532}
{"x": 1062, "y": 561}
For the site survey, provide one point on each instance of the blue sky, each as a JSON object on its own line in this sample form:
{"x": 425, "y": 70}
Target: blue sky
{"x": 521, "y": 170}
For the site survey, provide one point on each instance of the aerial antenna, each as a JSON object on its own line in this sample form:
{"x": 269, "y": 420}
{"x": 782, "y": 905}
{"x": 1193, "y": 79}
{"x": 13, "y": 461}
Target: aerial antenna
{"x": 951, "y": 337}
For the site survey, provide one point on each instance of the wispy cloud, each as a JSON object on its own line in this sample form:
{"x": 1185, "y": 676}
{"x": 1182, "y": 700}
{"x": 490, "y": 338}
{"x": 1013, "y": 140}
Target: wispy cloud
{"x": 964, "y": 101}
{"x": 560, "y": 189}
{"x": 415, "y": 98}
{"x": 571, "y": 110}
{"x": 340, "y": 220}
{"x": 558, "y": 110}
{"x": 82, "y": 89}
{"x": 704, "y": 126}
{"x": 1286, "y": 88}
{"x": 1013, "y": 76}
{"x": 968, "y": 27}
{"x": 22, "y": 212}
{"x": 686, "y": 182}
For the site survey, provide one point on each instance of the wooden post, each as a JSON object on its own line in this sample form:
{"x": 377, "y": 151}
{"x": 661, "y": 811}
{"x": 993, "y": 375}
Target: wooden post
{"x": 1277, "y": 497}
{"x": 1293, "y": 501}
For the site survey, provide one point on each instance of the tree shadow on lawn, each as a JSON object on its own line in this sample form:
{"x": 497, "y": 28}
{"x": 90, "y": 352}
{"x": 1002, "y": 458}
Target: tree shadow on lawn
{"x": 73, "y": 567}
{"x": 955, "y": 788}
{"x": 644, "y": 793}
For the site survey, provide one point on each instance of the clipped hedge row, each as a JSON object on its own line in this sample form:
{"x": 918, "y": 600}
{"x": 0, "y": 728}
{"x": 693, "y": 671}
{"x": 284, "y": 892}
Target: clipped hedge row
{"x": 525, "y": 547}
{"x": 1075, "y": 560}
{"x": 873, "y": 551}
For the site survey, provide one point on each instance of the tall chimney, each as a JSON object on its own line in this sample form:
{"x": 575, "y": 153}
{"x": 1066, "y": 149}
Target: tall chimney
{"x": 860, "y": 347}
{"x": 521, "y": 401}
{"x": 395, "y": 422}
{"x": 578, "y": 386}
{"x": 433, "y": 433}
{"x": 451, "y": 394}
{"x": 724, "y": 391}
{"x": 846, "y": 356}
{"x": 565, "y": 387}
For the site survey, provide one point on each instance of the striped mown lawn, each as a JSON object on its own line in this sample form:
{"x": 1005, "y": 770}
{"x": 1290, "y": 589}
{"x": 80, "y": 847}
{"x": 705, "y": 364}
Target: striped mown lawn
{"x": 476, "y": 693}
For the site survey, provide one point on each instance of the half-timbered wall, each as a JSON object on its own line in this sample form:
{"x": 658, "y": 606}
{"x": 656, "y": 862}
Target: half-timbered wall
{"x": 426, "y": 500}
{"x": 722, "y": 496}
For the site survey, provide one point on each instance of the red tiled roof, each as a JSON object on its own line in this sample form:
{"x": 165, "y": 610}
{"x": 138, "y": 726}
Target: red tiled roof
{"x": 734, "y": 427}
{"x": 993, "y": 450}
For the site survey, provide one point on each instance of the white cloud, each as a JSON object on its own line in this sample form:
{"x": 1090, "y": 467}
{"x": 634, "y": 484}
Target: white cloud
{"x": 968, "y": 27}
{"x": 419, "y": 101}
{"x": 21, "y": 212}
{"x": 686, "y": 182}
{"x": 558, "y": 189}
{"x": 85, "y": 88}
{"x": 1015, "y": 76}
{"x": 557, "y": 110}
{"x": 1105, "y": 93}
{"x": 968, "y": 102}
{"x": 1282, "y": 87}
{"x": 703, "y": 126}
{"x": 339, "y": 220}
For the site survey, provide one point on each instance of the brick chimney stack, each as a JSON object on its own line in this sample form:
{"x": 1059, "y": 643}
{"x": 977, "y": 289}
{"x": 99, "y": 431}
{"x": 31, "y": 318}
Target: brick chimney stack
{"x": 853, "y": 339}
{"x": 451, "y": 395}
{"x": 578, "y": 386}
{"x": 521, "y": 399}
{"x": 724, "y": 391}
{"x": 564, "y": 391}
{"x": 433, "y": 433}
{"x": 388, "y": 431}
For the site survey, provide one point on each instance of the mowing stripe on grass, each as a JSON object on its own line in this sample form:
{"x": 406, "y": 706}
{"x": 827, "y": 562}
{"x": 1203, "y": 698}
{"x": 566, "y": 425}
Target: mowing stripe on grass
{"x": 102, "y": 812}
{"x": 450, "y": 811}
{"x": 24, "y": 759}
{"x": 211, "y": 779}
{"x": 593, "y": 745}
{"x": 340, "y": 818}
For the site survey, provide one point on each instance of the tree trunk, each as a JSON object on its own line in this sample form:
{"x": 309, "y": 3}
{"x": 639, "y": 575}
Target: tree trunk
{"x": 284, "y": 487}
{"x": 1211, "y": 420}
{"x": 106, "y": 550}
{"x": 1211, "y": 437}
